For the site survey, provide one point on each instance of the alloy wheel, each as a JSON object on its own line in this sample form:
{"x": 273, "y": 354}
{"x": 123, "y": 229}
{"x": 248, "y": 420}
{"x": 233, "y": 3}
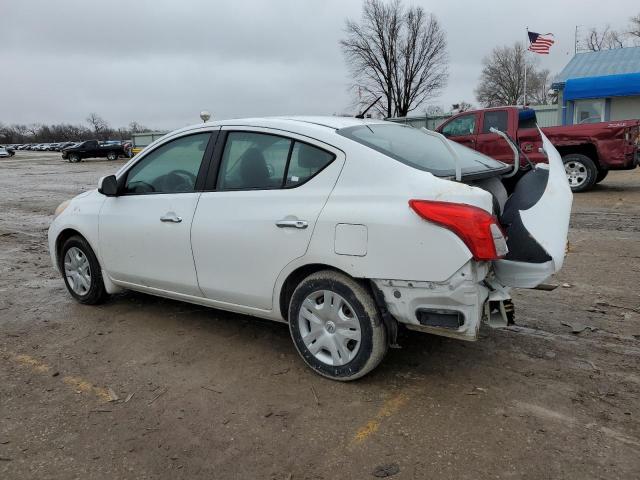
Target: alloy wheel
{"x": 577, "y": 173}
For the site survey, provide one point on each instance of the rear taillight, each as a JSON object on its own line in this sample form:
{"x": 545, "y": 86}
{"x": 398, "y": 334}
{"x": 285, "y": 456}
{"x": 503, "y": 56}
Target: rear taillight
{"x": 478, "y": 229}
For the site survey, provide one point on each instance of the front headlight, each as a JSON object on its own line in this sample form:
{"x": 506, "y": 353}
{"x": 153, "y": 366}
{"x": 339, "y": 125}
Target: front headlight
{"x": 61, "y": 208}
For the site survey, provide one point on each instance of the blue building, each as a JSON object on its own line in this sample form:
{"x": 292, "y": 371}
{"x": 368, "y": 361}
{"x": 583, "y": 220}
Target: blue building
{"x": 600, "y": 86}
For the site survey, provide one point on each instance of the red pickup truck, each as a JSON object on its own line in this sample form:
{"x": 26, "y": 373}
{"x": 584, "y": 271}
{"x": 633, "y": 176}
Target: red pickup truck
{"x": 588, "y": 151}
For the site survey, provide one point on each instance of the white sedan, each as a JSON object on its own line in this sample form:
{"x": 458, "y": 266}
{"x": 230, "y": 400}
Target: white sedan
{"x": 5, "y": 152}
{"x": 343, "y": 228}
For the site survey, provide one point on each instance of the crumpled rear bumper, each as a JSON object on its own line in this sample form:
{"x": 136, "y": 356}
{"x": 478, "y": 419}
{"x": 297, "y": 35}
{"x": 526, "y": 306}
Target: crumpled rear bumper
{"x": 464, "y": 293}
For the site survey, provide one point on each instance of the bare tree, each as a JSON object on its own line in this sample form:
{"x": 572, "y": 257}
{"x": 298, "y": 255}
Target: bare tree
{"x": 99, "y": 124}
{"x": 396, "y": 53}
{"x": 634, "y": 28}
{"x": 502, "y": 79}
{"x": 606, "y": 39}
{"x": 19, "y": 133}
{"x": 539, "y": 87}
{"x": 462, "y": 106}
{"x": 433, "y": 110}
{"x": 135, "y": 127}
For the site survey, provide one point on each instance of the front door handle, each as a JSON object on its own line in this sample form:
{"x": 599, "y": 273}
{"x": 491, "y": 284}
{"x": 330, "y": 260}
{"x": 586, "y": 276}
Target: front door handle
{"x": 170, "y": 217}
{"x": 292, "y": 224}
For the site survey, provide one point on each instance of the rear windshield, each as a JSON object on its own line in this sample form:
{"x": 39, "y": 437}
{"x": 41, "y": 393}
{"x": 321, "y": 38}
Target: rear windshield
{"x": 420, "y": 150}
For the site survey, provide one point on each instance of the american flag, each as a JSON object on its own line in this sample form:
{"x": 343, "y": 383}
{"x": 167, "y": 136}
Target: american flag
{"x": 539, "y": 43}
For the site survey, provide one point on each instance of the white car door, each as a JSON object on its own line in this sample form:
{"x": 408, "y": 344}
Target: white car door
{"x": 145, "y": 230}
{"x": 268, "y": 191}
{"x": 536, "y": 218}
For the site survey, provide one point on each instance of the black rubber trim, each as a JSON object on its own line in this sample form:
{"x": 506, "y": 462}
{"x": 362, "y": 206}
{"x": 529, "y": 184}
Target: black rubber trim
{"x": 206, "y": 161}
{"x": 523, "y": 247}
{"x": 389, "y": 320}
{"x": 452, "y": 319}
{"x": 528, "y": 192}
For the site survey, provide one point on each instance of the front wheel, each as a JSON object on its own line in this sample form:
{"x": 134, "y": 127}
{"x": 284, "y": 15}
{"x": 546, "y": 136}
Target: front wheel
{"x": 81, "y": 271}
{"x": 336, "y": 327}
{"x": 74, "y": 158}
{"x": 112, "y": 156}
{"x": 581, "y": 171}
{"x": 602, "y": 174}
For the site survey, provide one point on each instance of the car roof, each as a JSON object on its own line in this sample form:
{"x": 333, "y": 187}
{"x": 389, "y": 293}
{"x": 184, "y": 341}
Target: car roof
{"x": 300, "y": 124}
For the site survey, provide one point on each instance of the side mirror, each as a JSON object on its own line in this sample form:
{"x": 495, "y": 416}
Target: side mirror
{"x": 108, "y": 186}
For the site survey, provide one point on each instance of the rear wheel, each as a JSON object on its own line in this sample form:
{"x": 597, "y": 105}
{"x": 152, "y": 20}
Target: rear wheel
{"x": 74, "y": 157}
{"x": 112, "y": 156}
{"x": 581, "y": 171}
{"x": 602, "y": 174}
{"x": 81, "y": 271}
{"x": 336, "y": 327}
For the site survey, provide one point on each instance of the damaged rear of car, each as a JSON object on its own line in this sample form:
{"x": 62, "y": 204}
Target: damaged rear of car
{"x": 516, "y": 239}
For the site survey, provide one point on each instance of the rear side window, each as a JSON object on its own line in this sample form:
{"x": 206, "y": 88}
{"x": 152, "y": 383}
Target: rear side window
{"x": 259, "y": 161}
{"x": 306, "y": 161}
{"x": 497, "y": 119}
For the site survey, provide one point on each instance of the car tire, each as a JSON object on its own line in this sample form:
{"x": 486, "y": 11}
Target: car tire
{"x": 112, "y": 156}
{"x": 602, "y": 174}
{"x": 74, "y": 157}
{"x": 343, "y": 338}
{"x": 581, "y": 171}
{"x": 81, "y": 271}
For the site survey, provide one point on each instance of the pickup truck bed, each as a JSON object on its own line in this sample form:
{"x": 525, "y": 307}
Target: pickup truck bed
{"x": 589, "y": 151}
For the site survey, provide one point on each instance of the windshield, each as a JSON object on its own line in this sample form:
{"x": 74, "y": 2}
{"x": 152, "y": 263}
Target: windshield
{"x": 420, "y": 150}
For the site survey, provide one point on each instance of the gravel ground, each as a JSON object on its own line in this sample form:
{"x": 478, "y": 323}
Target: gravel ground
{"x": 148, "y": 388}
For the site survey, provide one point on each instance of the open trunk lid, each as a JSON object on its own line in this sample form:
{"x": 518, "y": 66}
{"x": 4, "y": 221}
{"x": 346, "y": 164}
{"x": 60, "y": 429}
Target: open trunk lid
{"x": 536, "y": 221}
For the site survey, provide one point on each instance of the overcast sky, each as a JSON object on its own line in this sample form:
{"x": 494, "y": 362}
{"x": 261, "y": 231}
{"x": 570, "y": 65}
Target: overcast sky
{"x": 160, "y": 62}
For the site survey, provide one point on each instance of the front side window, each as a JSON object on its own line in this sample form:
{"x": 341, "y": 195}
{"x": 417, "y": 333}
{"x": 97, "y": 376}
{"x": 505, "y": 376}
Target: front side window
{"x": 170, "y": 168}
{"x": 464, "y": 125}
{"x": 495, "y": 119}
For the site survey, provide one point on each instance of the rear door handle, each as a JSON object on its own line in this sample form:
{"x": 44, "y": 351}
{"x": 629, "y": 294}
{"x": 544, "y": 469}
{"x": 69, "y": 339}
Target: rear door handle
{"x": 292, "y": 224}
{"x": 170, "y": 217}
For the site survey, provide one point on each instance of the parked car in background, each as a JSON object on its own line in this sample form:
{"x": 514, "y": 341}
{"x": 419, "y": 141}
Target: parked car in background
{"x": 589, "y": 151}
{"x": 343, "y": 228}
{"x": 6, "y": 152}
{"x": 92, "y": 149}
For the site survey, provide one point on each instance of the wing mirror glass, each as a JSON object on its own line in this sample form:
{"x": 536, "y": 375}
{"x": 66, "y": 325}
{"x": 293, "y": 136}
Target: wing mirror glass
{"x": 108, "y": 186}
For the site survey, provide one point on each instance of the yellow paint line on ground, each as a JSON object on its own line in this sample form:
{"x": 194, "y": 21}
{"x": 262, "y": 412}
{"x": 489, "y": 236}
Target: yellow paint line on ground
{"x": 77, "y": 383}
{"x": 389, "y": 407}
{"x": 81, "y": 385}
{"x": 34, "y": 363}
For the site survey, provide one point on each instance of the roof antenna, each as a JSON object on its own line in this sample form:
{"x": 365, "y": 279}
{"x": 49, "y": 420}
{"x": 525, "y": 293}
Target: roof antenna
{"x": 361, "y": 115}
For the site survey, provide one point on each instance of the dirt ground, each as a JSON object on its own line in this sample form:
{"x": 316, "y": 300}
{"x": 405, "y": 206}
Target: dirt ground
{"x": 207, "y": 394}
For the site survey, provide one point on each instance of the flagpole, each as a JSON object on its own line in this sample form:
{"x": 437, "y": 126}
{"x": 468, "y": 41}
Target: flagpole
{"x": 524, "y": 99}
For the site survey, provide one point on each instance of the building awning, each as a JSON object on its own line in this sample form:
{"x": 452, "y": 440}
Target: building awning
{"x": 605, "y": 86}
